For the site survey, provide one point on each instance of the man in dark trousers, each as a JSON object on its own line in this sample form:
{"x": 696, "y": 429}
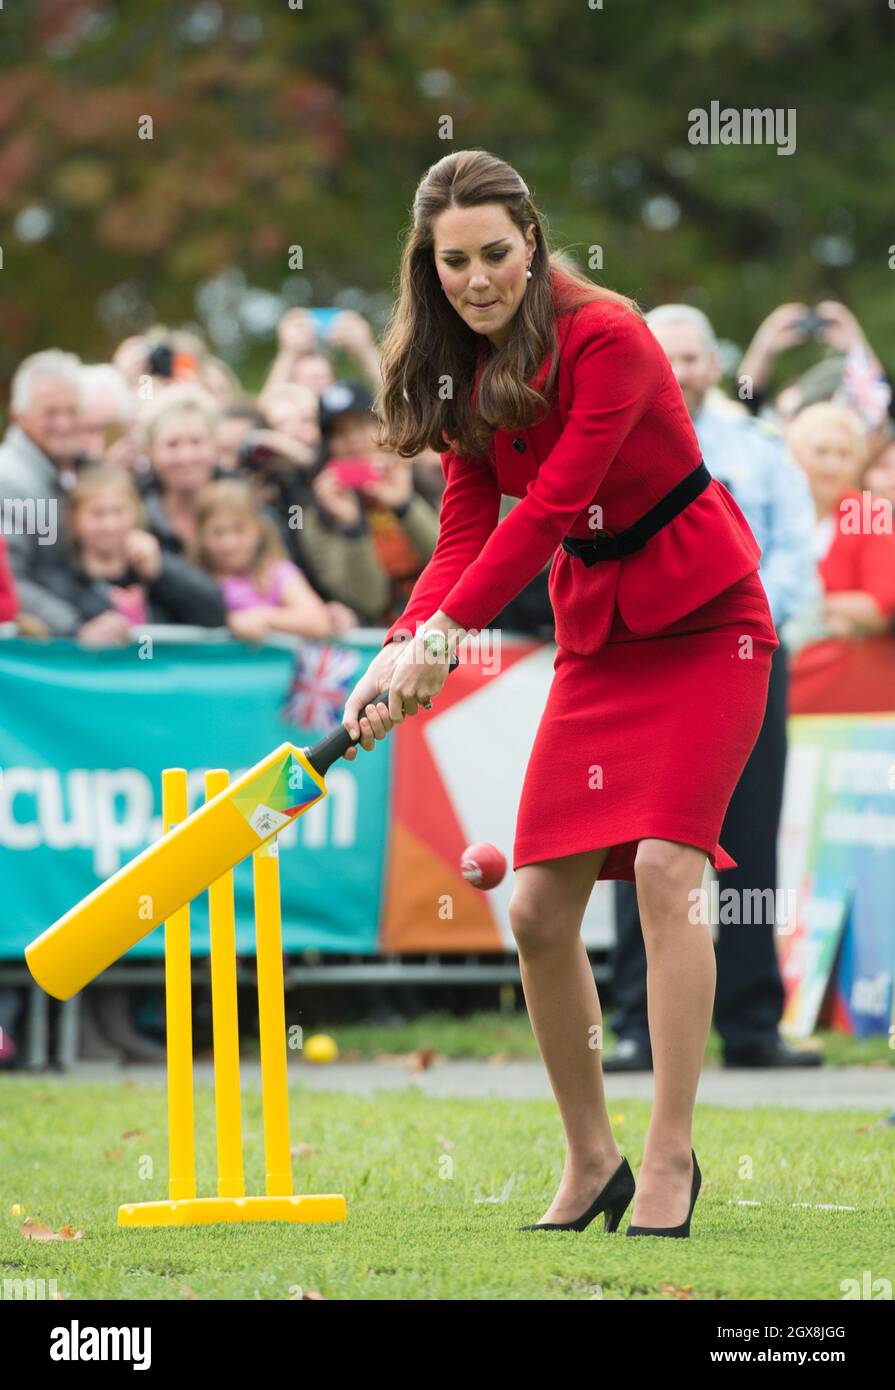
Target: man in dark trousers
{"x": 748, "y": 457}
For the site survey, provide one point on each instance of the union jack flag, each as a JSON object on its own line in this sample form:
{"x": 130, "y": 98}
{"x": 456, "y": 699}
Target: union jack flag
{"x": 323, "y": 679}
{"x": 864, "y": 388}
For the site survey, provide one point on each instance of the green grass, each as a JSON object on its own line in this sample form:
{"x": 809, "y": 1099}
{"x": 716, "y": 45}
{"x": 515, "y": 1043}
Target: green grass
{"x": 483, "y": 1035}
{"x": 412, "y": 1169}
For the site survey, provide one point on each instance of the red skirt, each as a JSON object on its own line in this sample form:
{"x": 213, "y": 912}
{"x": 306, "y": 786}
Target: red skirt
{"x": 647, "y": 737}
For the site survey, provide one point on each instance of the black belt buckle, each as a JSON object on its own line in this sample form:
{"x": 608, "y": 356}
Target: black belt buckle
{"x": 589, "y": 551}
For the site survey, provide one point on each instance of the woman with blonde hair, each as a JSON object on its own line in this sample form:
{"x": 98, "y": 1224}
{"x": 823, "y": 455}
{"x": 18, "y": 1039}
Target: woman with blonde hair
{"x": 854, "y": 543}
{"x": 179, "y": 435}
{"x": 534, "y": 382}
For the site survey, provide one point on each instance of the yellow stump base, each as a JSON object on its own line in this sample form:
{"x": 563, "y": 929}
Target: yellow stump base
{"x": 206, "y": 1211}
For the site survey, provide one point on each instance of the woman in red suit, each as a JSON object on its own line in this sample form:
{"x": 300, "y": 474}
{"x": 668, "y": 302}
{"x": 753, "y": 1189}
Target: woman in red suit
{"x": 553, "y": 390}
{"x": 847, "y": 661}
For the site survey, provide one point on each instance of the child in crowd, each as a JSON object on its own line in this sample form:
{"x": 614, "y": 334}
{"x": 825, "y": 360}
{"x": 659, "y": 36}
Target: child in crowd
{"x": 114, "y": 574}
{"x": 240, "y": 548}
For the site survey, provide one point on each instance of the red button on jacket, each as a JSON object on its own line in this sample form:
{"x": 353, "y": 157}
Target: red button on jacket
{"x": 618, "y": 438}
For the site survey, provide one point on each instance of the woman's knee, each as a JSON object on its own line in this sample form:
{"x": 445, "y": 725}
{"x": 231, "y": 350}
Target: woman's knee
{"x": 549, "y": 898}
{"x": 666, "y": 873}
{"x": 538, "y": 924}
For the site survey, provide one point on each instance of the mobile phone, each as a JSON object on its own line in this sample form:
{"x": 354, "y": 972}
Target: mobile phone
{"x": 811, "y": 324}
{"x": 253, "y": 454}
{"x": 356, "y": 471}
{"x": 323, "y": 320}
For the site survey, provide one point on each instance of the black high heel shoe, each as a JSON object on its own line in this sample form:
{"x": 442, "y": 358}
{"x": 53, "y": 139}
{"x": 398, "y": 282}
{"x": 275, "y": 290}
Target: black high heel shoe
{"x": 613, "y": 1199}
{"x": 683, "y": 1230}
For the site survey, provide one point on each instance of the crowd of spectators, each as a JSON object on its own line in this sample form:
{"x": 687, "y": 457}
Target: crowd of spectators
{"x": 152, "y": 489}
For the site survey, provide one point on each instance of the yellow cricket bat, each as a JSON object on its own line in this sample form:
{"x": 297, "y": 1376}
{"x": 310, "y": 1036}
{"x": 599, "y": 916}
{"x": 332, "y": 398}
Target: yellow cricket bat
{"x": 181, "y": 865}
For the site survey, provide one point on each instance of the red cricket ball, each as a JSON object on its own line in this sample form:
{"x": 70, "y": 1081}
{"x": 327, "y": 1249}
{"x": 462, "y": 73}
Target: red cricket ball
{"x": 483, "y": 865}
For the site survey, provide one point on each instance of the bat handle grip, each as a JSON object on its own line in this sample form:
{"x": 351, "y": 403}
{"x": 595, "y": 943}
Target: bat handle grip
{"x": 336, "y": 744}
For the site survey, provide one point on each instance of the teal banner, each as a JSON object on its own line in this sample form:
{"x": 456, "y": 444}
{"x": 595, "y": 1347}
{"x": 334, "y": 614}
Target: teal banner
{"x": 85, "y": 735}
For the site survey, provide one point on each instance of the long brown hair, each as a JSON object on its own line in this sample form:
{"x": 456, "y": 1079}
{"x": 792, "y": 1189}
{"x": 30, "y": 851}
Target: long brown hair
{"x": 427, "y": 341}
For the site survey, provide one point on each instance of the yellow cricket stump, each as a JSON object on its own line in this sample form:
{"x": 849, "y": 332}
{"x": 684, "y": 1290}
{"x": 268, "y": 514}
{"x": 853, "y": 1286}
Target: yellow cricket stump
{"x": 231, "y": 1204}
{"x": 272, "y": 1020}
{"x": 207, "y": 1211}
{"x": 225, "y": 1020}
{"x": 179, "y": 1013}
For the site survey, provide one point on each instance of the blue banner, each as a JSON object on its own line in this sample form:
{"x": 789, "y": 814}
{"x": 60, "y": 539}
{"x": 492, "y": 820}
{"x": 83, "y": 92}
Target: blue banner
{"x": 85, "y": 735}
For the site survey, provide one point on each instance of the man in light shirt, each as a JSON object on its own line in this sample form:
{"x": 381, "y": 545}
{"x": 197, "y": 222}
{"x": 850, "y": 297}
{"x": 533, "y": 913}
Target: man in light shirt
{"x": 749, "y": 458}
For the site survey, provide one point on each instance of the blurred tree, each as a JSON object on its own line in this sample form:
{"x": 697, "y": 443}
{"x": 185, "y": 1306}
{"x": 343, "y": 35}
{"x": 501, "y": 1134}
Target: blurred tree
{"x": 281, "y": 125}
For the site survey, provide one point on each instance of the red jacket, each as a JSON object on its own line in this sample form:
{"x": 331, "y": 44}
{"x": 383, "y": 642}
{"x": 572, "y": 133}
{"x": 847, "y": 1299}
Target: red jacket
{"x": 9, "y": 599}
{"x": 860, "y": 560}
{"x": 618, "y": 436}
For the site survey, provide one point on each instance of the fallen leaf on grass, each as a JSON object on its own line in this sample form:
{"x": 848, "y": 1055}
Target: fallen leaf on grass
{"x": 31, "y": 1230}
{"x": 188, "y": 1293}
{"x": 302, "y": 1150}
{"x": 117, "y": 1154}
{"x": 313, "y": 1295}
{"x": 133, "y": 1134}
{"x": 685, "y": 1291}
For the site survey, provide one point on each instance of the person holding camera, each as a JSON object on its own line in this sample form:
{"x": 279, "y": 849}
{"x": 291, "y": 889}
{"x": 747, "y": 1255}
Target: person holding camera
{"x": 300, "y": 358}
{"x": 284, "y": 459}
{"x": 857, "y": 377}
{"x": 378, "y": 492}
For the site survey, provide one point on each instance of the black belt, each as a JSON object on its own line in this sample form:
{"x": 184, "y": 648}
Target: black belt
{"x": 635, "y": 537}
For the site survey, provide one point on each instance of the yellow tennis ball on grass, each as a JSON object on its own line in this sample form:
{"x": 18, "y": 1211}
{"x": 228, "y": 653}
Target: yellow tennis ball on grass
{"x": 321, "y": 1048}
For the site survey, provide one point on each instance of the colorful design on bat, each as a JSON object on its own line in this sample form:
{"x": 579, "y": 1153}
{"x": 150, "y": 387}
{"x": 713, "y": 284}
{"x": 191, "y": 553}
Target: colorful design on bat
{"x": 278, "y": 796}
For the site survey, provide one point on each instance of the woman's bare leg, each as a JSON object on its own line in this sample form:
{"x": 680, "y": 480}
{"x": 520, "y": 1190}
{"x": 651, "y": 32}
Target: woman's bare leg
{"x": 680, "y": 985}
{"x": 546, "y": 910}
